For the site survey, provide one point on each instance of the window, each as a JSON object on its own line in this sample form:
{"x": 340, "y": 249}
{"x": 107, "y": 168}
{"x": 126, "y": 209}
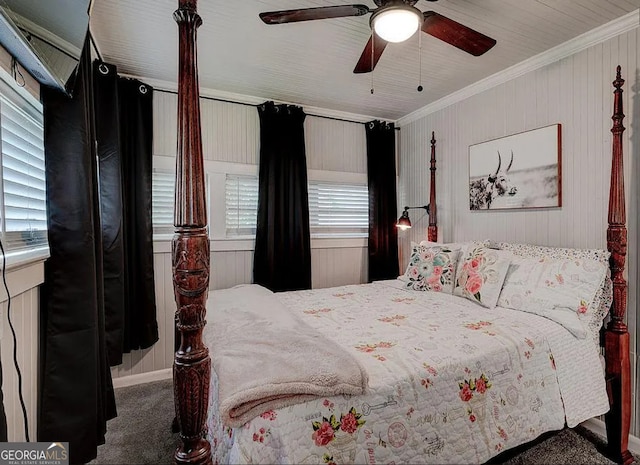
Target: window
{"x": 162, "y": 188}
{"x": 24, "y": 215}
{"x": 338, "y": 205}
{"x": 241, "y": 205}
{"x": 335, "y": 209}
{"x": 338, "y": 209}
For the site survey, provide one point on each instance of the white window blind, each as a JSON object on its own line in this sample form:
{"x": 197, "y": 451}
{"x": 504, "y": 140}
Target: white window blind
{"x": 24, "y": 224}
{"x": 241, "y": 205}
{"x": 162, "y": 193}
{"x": 337, "y": 209}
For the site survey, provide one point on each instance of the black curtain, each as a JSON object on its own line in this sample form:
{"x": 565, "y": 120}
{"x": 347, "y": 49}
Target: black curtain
{"x": 125, "y": 137}
{"x": 282, "y": 257}
{"x": 105, "y": 80}
{"x": 383, "y": 210}
{"x": 76, "y": 394}
{"x": 135, "y": 103}
{"x": 98, "y": 297}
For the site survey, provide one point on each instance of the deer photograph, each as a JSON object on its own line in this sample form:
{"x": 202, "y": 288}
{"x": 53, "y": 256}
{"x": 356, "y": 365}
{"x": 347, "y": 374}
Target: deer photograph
{"x": 518, "y": 171}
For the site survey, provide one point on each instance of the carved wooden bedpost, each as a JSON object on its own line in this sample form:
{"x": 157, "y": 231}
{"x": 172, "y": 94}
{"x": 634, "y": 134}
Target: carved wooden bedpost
{"x": 616, "y": 335}
{"x": 190, "y": 252}
{"x": 432, "y": 231}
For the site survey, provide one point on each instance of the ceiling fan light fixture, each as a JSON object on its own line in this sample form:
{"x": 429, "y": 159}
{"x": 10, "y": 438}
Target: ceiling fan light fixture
{"x": 396, "y": 23}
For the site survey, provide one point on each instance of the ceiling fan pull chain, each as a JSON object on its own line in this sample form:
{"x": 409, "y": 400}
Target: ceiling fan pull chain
{"x": 373, "y": 45}
{"x": 420, "y": 63}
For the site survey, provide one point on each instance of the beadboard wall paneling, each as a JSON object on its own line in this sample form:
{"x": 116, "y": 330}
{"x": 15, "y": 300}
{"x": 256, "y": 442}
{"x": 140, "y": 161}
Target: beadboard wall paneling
{"x": 231, "y": 133}
{"x": 24, "y": 316}
{"x": 334, "y": 145}
{"x": 339, "y": 267}
{"x": 576, "y": 92}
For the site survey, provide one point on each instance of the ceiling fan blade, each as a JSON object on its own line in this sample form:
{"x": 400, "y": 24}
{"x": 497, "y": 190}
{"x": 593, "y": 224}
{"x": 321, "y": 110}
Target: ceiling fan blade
{"x": 365, "y": 64}
{"x": 456, "y": 34}
{"x": 308, "y": 14}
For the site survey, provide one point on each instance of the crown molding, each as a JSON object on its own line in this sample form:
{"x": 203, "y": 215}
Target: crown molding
{"x": 232, "y": 97}
{"x": 595, "y": 36}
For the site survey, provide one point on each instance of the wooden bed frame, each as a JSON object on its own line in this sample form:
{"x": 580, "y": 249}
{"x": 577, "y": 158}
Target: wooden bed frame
{"x": 190, "y": 254}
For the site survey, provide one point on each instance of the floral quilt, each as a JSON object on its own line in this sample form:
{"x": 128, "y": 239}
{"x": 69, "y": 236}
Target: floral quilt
{"x": 449, "y": 382}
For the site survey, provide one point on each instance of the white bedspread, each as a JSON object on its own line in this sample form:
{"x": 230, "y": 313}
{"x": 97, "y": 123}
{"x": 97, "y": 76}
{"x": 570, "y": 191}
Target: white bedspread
{"x": 251, "y": 332}
{"x": 449, "y": 382}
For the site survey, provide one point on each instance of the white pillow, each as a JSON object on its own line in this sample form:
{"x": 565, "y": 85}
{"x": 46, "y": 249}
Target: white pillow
{"x": 481, "y": 272}
{"x": 561, "y": 289}
{"x": 599, "y": 307}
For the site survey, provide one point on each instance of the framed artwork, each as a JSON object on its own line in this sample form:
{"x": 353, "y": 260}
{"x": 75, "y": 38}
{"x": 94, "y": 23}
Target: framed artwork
{"x": 523, "y": 170}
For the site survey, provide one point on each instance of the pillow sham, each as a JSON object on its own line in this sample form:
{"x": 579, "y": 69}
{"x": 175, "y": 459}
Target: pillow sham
{"x": 528, "y": 250}
{"x": 480, "y": 274}
{"x": 561, "y": 289}
{"x": 601, "y": 304}
{"x": 431, "y": 269}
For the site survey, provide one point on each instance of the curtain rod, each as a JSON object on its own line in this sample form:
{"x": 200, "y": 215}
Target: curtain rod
{"x": 255, "y": 106}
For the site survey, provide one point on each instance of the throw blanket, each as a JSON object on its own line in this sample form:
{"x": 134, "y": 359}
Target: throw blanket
{"x": 267, "y": 358}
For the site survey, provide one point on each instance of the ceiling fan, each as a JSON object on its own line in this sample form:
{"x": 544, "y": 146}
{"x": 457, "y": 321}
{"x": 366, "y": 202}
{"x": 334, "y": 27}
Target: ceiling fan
{"x": 392, "y": 21}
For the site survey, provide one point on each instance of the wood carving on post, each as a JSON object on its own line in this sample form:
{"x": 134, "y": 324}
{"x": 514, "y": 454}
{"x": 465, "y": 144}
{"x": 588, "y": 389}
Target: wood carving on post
{"x": 617, "y": 231}
{"x": 618, "y": 419}
{"x": 190, "y": 252}
{"x": 432, "y": 231}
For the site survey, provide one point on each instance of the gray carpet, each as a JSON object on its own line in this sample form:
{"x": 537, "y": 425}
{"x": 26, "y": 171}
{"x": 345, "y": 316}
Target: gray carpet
{"x": 141, "y": 434}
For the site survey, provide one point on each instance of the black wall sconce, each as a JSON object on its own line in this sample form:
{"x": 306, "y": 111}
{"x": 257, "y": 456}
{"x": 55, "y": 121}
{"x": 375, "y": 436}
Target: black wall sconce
{"x": 404, "y": 222}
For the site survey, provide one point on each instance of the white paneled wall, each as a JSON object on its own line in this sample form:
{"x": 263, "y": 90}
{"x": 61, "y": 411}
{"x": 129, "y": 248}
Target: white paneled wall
{"x": 231, "y": 133}
{"x": 334, "y": 145}
{"x": 24, "y": 316}
{"x": 576, "y": 92}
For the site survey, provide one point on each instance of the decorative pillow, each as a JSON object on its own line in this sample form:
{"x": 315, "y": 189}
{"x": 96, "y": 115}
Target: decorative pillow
{"x": 601, "y": 304}
{"x": 560, "y": 289}
{"x": 480, "y": 274}
{"x": 431, "y": 269}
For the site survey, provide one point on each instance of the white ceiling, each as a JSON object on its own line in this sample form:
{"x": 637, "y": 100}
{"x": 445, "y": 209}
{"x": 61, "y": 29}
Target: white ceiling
{"x": 311, "y": 63}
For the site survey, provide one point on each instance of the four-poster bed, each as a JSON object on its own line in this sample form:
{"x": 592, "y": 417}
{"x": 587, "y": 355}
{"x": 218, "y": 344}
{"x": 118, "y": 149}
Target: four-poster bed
{"x": 190, "y": 251}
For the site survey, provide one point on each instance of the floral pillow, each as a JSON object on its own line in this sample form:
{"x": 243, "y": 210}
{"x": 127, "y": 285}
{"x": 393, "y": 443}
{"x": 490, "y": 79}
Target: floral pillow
{"x": 481, "y": 272}
{"x": 561, "y": 289}
{"x": 431, "y": 269}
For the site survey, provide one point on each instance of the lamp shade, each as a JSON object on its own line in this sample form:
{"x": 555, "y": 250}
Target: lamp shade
{"x": 404, "y": 222}
{"x": 396, "y": 23}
